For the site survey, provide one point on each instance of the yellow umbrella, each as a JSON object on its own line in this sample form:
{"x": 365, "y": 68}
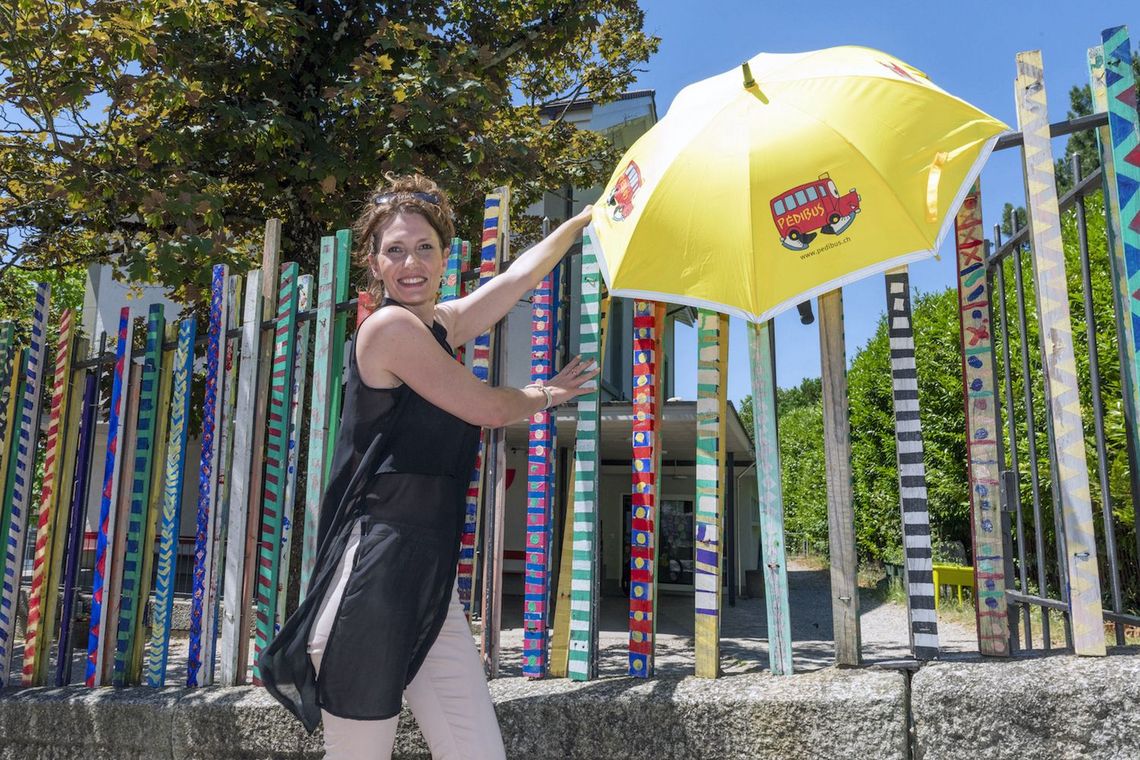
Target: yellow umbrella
{"x": 786, "y": 178}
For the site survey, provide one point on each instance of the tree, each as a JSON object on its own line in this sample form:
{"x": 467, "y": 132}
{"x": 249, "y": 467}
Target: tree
{"x": 160, "y": 134}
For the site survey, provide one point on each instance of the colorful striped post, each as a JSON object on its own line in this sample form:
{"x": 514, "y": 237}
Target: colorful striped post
{"x": 449, "y": 288}
{"x": 112, "y": 465}
{"x": 481, "y": 366}
{"x": 141, "y": 469}
{"x": 296, "y": 408}
{"x": 540, "y": 492}
{"x": 11, "y": 445}
{"x": 712, "y": 386}
{"x": 1061, "y": 386}
{"x": 53, "y": 500}
{"x": 201, "y": 601}
{"x": 837, "y": 462}
{"x": 982, "y": 465}
{"x": 918, "y": 567}
{"x": 154, "y": 505}
{"x": 495, "y": 455}
{"x": 319, "y": 409}
{"x": 9, "y": 384}
{"x": 584, "y": 577}
{"x": 76, "y": 524}
{"x": 158, "y": 649}
{"x": 770, "y": 495}
{"x": 273, "y": 498}
{"x": 648, "y": 318}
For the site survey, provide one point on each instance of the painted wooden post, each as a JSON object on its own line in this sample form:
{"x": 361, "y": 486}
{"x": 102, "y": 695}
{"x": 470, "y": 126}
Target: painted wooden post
{"x": 341, "y": 261}
{"x": 140, "y": 467}
{"x": 982, "y": 466}
{"x": 296, "y": 423}
{"x": 76, "y": 523}
{"x": 319, "y": 408}
{"x": 712, "y": 385}
{"x": 449, "y": 288}
{"x": 481, "y": 367}
{"x": 648, "y": 318}
{"x": 1122, "y": 202}
{"x": 154, "y": 506}
{"x": 837, "y": 453}
{"x": 54, "y": 497}
{"x": 584, "y": 576}
{"x": 770, "y": 495}
{"x": 104, "y": 558}
{"x": 494, "y": 502}
{"x": 917, "y": 552}
{"x": 201, "y": 606}
{"x": 9, "y": 385}
{"x": 114, "y": 585}
{"x": 158, "y": 649}
{"x": 12, "y": 442}
{"x": 273, "y": 498}
{"x": 1061, "y": 388}
{"x": 540, "y": 492}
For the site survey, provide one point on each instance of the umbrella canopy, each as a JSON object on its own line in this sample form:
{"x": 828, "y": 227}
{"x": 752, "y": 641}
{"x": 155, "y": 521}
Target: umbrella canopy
{"x": 788, "y": 177}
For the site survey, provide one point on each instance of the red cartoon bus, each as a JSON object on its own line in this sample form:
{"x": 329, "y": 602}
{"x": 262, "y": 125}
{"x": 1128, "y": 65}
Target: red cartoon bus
{"x": 803, "y": 211}
{"x": 627, "y": 185}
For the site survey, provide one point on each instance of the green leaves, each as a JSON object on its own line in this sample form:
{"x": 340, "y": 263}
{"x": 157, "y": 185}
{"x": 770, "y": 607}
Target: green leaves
{"x": 160, "y": 134}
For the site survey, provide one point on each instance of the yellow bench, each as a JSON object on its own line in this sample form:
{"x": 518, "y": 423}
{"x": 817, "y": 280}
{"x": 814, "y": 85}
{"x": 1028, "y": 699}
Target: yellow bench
{"x": 961, "y": 576}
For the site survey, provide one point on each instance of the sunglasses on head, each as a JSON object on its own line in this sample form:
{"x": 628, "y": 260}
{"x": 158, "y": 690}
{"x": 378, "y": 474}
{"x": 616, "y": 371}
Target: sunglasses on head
{"x": 383, "y": 198}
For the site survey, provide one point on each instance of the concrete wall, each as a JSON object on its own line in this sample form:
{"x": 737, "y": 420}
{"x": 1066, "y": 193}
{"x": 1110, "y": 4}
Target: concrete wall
{"x": 1054, "y": 707}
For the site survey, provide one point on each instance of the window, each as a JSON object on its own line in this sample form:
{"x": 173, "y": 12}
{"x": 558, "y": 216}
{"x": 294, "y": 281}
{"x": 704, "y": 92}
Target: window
{"x": 790, "y": 202}
{"x": 779, "y": 205}
{"x": 811, "y": 194}
{"x": 801, "y": 199}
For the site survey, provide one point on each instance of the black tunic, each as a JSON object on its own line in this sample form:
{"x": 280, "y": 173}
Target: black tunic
{"x": 401, "y": 466}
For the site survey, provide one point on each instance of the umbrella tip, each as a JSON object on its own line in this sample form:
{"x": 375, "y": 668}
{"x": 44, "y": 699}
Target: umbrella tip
{"x": 748, "y": 80}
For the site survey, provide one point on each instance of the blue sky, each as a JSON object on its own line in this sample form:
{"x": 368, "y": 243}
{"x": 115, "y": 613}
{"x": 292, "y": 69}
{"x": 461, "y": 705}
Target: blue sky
{"x": 965, "y": 47}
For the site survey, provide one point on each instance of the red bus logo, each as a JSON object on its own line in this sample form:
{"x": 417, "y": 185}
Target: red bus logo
{"x": 806, "y": 210}
{"x": 621, "y": 199}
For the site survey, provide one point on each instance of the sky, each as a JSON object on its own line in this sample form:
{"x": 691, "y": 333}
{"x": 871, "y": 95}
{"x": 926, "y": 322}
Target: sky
{"x": 967, "y": 48}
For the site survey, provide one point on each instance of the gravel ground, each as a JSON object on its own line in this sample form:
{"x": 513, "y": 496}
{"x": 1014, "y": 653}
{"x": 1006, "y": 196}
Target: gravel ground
{"x": 743, "y": 633}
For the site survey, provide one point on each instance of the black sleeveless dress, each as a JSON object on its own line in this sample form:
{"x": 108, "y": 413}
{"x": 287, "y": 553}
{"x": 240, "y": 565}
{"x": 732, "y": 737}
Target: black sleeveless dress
{"x": 400, "y": 466}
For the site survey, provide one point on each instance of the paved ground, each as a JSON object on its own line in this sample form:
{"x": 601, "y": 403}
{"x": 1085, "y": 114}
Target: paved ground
{"x": 743, "y": 633}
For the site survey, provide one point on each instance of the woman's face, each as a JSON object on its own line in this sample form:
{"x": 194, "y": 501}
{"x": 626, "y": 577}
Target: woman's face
{"x": 408, "y": 259}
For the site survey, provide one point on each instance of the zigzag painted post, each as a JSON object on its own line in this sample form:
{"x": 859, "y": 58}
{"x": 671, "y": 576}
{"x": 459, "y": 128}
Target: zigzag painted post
{"x": 837, "y": 462}
{"x": 712, "y": 385}
{"x": 1123, "y": 202}
{"x": 539, "y": 501}
{"x": 449, "y": 288}
{"x": 53, "y": 499}
{"x": 76, "y": 525}
{"x": 10, "y": 430}
{"x": 648, "y": 317}
{"x": 762, "y": 353}
{"x": 273, "y": 498}
{"x": 481, "y": 366}
{"x": 585, "y": 570}
{"x": 1061, "y": 387}
{"x": 296, "y": 407}
{"x": 917, "y": 551}
{"x": 141, "y": 469}
{"x": 982, "y": 465}
{"x": 319, "y": 409}
{"x": 233, "y": 638}
{"x": 158, "y": 650}
{"x": 495, "y": 459}
{"x": 201, "y": 599}
{"x": 154, "y": 505}
{"x": 112, "y": 465}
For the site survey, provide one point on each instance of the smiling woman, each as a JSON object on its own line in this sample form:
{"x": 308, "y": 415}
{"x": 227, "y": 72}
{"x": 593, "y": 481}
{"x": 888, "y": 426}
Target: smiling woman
{"x": 381, "y": 619}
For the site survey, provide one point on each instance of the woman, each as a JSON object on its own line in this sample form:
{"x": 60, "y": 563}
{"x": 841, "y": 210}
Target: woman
{"x": 381, "y": 618}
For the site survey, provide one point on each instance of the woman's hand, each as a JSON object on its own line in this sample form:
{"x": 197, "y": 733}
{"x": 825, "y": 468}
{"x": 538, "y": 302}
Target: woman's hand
{"x": 568, "y": 383}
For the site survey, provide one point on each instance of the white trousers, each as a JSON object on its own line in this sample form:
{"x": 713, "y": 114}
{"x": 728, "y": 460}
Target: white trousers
{"x": 448, "y": 696}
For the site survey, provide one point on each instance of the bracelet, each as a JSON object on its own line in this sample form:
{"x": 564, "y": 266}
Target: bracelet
{"x": 545, "y": 392}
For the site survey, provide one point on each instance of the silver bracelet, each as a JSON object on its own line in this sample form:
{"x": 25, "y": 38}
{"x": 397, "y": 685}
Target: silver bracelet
{"x": 545, "y": 392}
